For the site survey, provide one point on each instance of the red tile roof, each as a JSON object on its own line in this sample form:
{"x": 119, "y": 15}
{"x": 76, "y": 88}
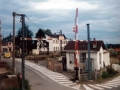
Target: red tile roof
{"x": 83, "y": 45}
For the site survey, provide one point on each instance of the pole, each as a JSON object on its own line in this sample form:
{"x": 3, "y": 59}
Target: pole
{"x": 0, "y": 40}
{"x": 23, "y": 61}
{"x": 26, "y": 42}
{"x": 13, "y": 62}
{"x": 76, "y": 45}
{"x": 60, "y": 43}
{"x": 89, "y": 65}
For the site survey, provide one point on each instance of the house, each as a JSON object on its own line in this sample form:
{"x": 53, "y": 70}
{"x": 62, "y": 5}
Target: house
{"x": 7, "y": 44}
{"x": 54, "y": 42}
{"x": 98, "y": 54}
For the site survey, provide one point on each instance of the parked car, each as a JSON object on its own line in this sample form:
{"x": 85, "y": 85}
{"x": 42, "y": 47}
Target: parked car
{"x": 7, "y": 55}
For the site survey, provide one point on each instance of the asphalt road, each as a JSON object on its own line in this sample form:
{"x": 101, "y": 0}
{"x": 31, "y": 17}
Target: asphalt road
{"x": 40, "y": 81}
{"x": 37, "y": 80}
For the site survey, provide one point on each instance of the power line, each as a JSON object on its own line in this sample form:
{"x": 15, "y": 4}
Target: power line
{"x": 32, "y": 22}
{"x": 40, "y": 24}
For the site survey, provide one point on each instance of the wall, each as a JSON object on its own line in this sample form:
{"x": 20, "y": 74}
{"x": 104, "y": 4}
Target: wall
{"x": 69, "y": 66}
{"x": 116, "y": 67}
{"x": 114, "y": 60}
{"x": 55, "y": 44}
{"x": 99, "y": 65}
{"x": 93, "y": 56}
{"x": 35, "y": 51}
{"x": 106, "y": 58}
{"x": 94, "y": 61}
{"x": 7, "y": 46}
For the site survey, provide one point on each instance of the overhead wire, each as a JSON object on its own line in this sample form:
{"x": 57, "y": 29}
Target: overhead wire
{"x": 32, "y": 22}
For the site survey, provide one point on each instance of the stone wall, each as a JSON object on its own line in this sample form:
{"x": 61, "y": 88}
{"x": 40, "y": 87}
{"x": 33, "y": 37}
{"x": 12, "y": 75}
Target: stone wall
{"x": 114, "y": 60}
{"x": 97, "y": 74}
{"x": 116, "y": 67}
{"x": 54, "y": 65}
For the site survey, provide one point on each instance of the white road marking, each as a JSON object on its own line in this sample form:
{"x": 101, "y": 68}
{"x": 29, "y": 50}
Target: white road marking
{"x": 87, "y": 88}
{"x": 103, "y": 86}
{"x": 77, "y": 86}
{"x": 96, "y": 87}
{"x": 60, "y": 78}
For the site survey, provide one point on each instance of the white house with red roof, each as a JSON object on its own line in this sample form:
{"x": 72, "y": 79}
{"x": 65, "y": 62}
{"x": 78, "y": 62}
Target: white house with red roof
{"x": 98, "y": 53}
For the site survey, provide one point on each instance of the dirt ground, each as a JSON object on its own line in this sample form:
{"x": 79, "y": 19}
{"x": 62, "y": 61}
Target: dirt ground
{"x": 5, "y": 82}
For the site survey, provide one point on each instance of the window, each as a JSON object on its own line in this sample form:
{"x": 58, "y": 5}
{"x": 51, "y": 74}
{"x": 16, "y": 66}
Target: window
{"x": 56, "y": 48}
{"x": 9, "y": 43}
{"x": 100, "y": 58}
{"x": 4, "y": 49}
{"x": 53, "y": 41}
{"x": 82, "y": 57}
{"x": 10, "y": 49}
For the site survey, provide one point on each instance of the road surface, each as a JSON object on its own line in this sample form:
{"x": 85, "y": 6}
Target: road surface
{"x": 41, "y": 78}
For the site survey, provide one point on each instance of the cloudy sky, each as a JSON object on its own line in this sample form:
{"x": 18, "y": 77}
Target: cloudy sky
{"x": 102, "y": 15}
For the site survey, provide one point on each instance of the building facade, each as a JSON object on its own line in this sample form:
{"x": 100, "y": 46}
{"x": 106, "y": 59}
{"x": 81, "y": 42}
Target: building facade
{"x": 99, "y": 56}
{"x": 54, "y": 43}
{"x": 7, "y": 44}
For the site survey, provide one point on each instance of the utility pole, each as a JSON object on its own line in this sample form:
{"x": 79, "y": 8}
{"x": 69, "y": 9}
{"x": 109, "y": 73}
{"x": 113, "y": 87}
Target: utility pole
{"x": 23, "y": 62}
{"x": 89, "y": 61}
{"x": 13, "y": 54}
{"x": 60, "y": 43}
{"x": 0, "y": 40}
{"x": 26, "y": 42}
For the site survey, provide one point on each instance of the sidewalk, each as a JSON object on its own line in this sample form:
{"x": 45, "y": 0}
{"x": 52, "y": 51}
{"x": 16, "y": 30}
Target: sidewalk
{"x": 68, "y": 74}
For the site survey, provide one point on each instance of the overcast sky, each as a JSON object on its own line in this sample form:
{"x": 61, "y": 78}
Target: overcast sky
{"x": 102, "y": 15}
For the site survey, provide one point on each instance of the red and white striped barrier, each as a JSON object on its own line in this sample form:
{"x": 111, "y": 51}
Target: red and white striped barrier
{"x": 36, "y": 39}
{"x": 76, "y": 39}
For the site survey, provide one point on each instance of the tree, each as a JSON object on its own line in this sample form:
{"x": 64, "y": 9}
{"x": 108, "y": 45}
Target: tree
{"x": 43, "y": 43}
{"x": 28, "y": 44}
{"x": 48, "y": 32}
{"x": 39, "y": 34}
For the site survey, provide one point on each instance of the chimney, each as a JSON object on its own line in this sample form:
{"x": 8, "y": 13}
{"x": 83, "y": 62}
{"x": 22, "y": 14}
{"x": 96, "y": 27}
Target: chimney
{"x": 94, "y": 43}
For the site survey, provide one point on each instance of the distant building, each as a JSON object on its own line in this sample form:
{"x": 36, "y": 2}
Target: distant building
{"x": 54, "y": 42}
{"x": 7, "y": 44}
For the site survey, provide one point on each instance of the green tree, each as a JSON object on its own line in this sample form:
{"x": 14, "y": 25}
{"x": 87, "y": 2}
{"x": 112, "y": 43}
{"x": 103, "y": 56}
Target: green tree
{"x": 48, "y": 32}
{"x": 39, "y": 34}
{"x": 43, "y": 43}
{"x": 28, "y": 44}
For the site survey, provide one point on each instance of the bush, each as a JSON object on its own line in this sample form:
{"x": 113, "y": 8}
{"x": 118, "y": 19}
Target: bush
{"x": 112, "y": 71}
{"x": 27, "y": 86}
{"x": 105, "y": 75}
